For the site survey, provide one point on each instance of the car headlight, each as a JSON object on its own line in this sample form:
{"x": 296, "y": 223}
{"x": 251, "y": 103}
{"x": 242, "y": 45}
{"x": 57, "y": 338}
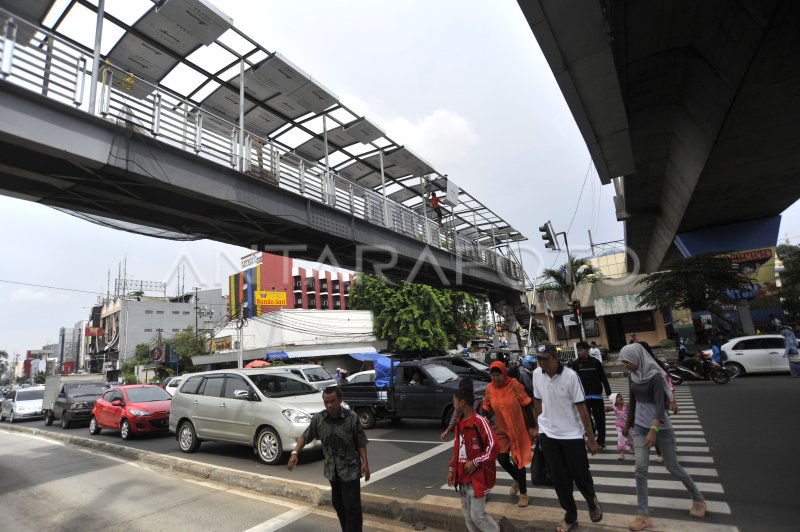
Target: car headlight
{"x": 296, "y": 416}
{"x": 79, "y": 406}
{"x": 139, "y": 413}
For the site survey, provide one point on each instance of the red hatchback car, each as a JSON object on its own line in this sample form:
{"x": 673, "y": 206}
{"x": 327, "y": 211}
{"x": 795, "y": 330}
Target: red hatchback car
{"x": 132, "y": 409}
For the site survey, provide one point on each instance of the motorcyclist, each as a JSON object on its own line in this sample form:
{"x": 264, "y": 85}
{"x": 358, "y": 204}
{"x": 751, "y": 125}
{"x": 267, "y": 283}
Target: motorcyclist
{"x": 526, "y": 373}
{"x": 694, "y": 363}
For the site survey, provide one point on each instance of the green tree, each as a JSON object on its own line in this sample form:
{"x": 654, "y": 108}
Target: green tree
{"x": 790, "y": 280}
{"x": 40, "y": 378}
{"x": 695, "y": 283}
{"x": 3, "y": 362}
{"x": 558, "y": 279}
{"x": 416, "y": 317}
{"x": 188, "y": 345}
{"x": 140, "y": 358}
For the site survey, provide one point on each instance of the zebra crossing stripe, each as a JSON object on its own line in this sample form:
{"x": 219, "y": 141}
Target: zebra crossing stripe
{"x": 627, "y": 466}
{"x": 675, "y": 485}
{"x": 630, "y": 500}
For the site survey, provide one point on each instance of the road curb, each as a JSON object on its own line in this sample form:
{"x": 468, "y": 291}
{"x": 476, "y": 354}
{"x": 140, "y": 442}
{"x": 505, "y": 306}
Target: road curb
{"x": 445, "y": 517}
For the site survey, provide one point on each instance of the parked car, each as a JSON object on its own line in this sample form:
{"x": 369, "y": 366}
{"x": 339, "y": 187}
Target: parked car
{"x": 263, "y": 408}
{"x": 313, "y": 374}
{"x": 171, "y": 384}
{"x": 755, "y": 354}
{"x": 131, "y": 409}
{"x": 22, "y": 403}
{"x": 362, "y": 376}
{"x": 464, "y": 367}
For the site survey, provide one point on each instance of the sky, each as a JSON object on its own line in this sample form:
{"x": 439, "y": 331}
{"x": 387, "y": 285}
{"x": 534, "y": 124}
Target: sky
{"x": 461, "y": 82}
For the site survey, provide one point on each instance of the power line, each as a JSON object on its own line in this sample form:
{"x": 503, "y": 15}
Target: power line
{"x": 577, "y": 206}
{"x": 51, "y": 287}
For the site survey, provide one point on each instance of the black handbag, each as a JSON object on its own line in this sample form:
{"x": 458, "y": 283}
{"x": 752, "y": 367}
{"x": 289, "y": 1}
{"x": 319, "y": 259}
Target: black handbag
{"x": 540, "y": 476}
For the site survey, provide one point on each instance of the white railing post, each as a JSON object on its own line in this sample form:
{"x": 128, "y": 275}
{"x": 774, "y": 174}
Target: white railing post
{"x": 80, "y": 75}
{"x": 105, "y": 98}
{"x": 198, "y": 131}
{"x": 9, "y": 42}
{"x": 156, "y": 113}
{"x": 352, "y": 200}
{"x": 98, "y": 36}
{"x": 234, "y": 143}
{"x": 302, "y": 172}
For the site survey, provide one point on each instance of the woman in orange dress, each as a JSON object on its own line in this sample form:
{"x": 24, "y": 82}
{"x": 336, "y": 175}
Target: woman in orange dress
{"x": 515, "y": 426}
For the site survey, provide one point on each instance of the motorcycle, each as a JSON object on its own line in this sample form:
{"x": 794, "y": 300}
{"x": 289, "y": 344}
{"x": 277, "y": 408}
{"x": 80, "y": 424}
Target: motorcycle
{"x": 710, "y": 371}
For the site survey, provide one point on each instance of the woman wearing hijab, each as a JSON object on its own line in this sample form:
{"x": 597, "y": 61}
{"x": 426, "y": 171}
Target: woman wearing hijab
{"x": 648, "y": 419}
{"x": 513, "y": 414}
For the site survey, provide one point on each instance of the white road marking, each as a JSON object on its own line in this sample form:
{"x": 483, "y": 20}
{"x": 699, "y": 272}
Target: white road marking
{"x": 408, "y": 462}
{"x": 279, "y": 521}
{"x": 409, "y": 441}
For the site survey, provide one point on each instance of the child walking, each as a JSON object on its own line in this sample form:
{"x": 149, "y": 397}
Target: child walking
{"x": 620, "y": 410}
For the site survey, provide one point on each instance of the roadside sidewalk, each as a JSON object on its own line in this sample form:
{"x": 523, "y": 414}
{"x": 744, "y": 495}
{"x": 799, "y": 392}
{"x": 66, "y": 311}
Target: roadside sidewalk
{"x": 433, "y": 512}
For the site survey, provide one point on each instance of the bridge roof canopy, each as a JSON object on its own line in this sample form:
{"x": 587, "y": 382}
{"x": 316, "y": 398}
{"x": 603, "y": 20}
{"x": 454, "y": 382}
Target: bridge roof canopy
{"x": 191, "y": 49}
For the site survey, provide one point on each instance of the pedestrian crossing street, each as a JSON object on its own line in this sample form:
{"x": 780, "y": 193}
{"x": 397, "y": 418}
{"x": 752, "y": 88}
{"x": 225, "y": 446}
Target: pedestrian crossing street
{"x": 614, "y": 481}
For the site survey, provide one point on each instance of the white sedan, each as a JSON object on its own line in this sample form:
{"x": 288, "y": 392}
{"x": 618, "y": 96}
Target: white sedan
{"x": 756, "y": 354}
{"x": 362, "y": 376}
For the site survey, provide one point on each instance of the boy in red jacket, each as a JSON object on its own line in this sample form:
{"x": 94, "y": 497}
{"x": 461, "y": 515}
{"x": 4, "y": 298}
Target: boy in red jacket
{"x": 472, "y": 468}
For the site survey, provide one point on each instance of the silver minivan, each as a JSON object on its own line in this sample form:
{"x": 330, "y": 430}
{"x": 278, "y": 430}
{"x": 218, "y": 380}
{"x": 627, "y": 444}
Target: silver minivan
{"x": 22, "y": 403}
{"x": 265, "y": 409}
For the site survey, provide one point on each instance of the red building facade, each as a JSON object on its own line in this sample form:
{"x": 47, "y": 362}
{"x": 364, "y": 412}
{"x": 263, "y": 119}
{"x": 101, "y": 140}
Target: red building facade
{"x": 306, "y": 288}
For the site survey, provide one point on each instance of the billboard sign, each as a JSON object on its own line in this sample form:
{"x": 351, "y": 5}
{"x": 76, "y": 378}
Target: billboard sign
{"x": 270, "y": 299}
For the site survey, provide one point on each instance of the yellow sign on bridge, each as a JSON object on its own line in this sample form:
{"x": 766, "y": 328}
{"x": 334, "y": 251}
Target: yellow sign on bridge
{"x": 271, "y": 299}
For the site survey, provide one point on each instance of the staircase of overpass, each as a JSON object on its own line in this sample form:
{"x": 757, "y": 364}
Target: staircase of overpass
{"x": 255, "y": 153}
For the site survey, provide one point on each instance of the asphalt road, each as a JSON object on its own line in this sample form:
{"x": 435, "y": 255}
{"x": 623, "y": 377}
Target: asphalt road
{"x": 51, "y": 486}
{"x": 753, "y": 429}
{"x": 737, "y": 438}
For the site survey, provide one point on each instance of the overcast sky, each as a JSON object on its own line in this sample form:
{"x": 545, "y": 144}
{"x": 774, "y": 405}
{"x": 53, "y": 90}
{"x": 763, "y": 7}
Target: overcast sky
{"x": 461, "y": 82}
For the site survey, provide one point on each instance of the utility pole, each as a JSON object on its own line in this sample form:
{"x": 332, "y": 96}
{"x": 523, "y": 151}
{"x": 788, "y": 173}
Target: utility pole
{"x": 196, "y": 317}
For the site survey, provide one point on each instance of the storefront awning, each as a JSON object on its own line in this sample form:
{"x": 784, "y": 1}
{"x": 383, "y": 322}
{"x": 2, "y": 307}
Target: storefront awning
{"x": 320, "y": 353}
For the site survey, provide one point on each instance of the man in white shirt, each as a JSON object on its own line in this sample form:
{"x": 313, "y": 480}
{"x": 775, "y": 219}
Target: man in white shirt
{"x": 594, "y": 351}
{"x": 563, "y": 421}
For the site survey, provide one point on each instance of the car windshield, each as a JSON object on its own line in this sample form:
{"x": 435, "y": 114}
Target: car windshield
{"x": 272, "y": 385}
{"x": 85, "y": 389}
{"x": 317, "y": 374}
{"x": 480, "y": 366}
{"x": 441, "y": 374}
{"x": 146, "y": 395}
{"x": 30, "y": 395}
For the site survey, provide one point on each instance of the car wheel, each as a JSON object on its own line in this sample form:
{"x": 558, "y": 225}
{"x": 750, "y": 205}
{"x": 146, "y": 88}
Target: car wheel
{"x": 64, "y": 421}
{"x": 11, "y": 417}
{"x": 2, "y": 417}
{"x": 735, "y": 369}
{"x": 48, "y": 419}
{"x": 125, "y": 430}
{"x": 187, "y": 438}
{"x": 94, "y": 429}
{"x": 448, "y": 415}
{"x": 268, "y": 446}
{"x": 366, "y": 417}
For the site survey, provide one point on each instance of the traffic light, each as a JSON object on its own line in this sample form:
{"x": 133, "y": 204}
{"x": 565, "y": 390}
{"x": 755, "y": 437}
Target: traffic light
{"x": 576, "y": 307}
{"x": 547, "y": 236}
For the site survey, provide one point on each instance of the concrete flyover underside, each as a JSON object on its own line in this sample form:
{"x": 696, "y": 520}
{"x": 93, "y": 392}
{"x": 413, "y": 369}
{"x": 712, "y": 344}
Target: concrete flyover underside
{"x": 64, "y": 158}
{"x": 695, "y": 104}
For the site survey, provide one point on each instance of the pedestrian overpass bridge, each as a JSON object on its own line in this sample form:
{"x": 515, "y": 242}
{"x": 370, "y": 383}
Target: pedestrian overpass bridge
{"x": 186, "y": 128}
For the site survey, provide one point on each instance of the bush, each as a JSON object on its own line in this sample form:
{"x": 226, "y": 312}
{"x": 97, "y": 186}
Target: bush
{"x": 129, "y": 378}
{"x": 668, "y": 344}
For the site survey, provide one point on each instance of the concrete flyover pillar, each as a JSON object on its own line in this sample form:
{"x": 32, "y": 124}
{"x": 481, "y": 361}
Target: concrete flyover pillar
{"x": 746, "y": 319}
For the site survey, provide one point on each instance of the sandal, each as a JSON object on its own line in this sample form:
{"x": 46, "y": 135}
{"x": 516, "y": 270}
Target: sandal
{"x": 565, "y": 527}
{"x": 640, "y": 522}
{"x": 596, "y": 515}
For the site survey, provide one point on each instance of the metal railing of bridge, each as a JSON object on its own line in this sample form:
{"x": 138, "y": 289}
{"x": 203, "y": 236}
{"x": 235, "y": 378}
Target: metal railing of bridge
{"x": 61, "y": 70}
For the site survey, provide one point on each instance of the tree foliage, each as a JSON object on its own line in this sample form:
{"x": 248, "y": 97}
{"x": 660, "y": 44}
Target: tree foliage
{"x": 417, "y": 317}
{"x": 695, "y": 283}
{"x": 559, "y": 280}
{"x": 188, "y": 345}
{"x": 3, "y": 362}
{"x": 790, "y": 280}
